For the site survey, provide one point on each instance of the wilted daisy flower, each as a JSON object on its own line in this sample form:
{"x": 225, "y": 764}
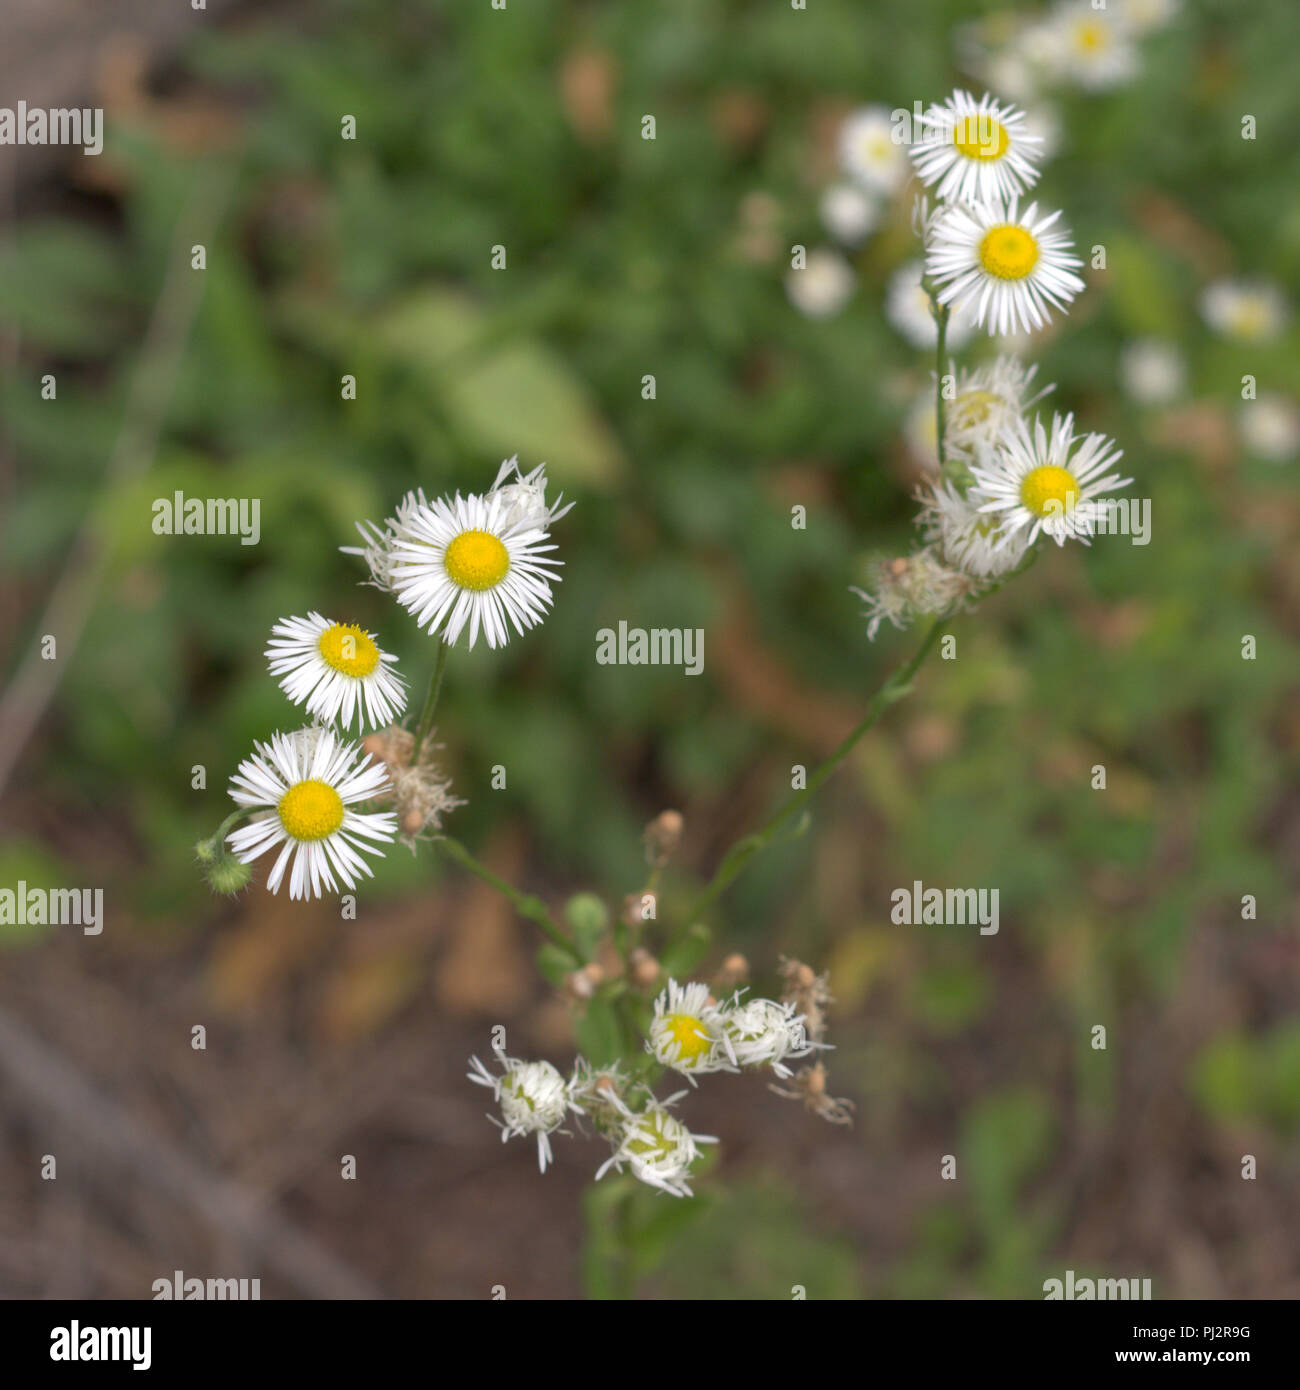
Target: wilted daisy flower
{"x": 869, "y": 153}
{"x": 1270, "y": 427}
{"x": 686, "y": 1032}
{"x": 764, "y": 1033}
{"x": 1038, "y": 481}
{"x": 1254, "y": 311}
{"x": 976, "y": 151}
{"x": 308, "y": 782}
{"x": 524, "y": 497}
{"x": 1093, "y": 48}
{"x": 533, "y": 1098}
{"x": 976, "y": 543}
{"x": 907, "y": 306}
{"x": 473, "y": 561}
{"x": 658, "y": 1148}
{"x": 984, "y": 400}
{"x": 336, "y": 669}
{"x": 598, "y": 1092}
{"x": 822, "y": 286}
{"x": 1004, "y": 267}
{"x": 849, "y": 212}
{"x": 912, "y": 586}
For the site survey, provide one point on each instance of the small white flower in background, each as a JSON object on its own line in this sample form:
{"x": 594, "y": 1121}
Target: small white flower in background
{"x": 869, "y": 153}
{"x": 1152, "y": 372}
{"x": 1092, "y": 48}
{"x": 990, "y": 49}
{"x": 1041, "y": 481}
{"x": 849, "y": 212}
{"x": 471, "y": 562}
{"x": 1044, "y": 121}
{"x": 763, "y": 1032}
{"x": 1006, "y": 268}
{"x": 984, "y": 401}
{"x": 533, "y": 1096}
{"x": 687, "y": 1033}
{"x": 907, "y": 306}
{"x": 975, "y": 151}
{"x": 1253, "y": 311}
{"x": 1145, "y": 16}
{"x": 823, "y": 286}
{"x": 308, "y": 782}
{"x": 1270, "y": 427}
{"x": 658, "y": 1148}
{"x": 912, "y": 586}
{"x": 977, "y": 544}
{"x": 336, "y": 670}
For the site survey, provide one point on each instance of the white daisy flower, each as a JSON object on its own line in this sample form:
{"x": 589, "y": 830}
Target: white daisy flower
{"x": 907, "y": 307}
{"x": 869, "y": 152}
{"x": 1270, "y": 427}
{"x": 336, "y": 670}
{"x": 976, "y": 151}
{"x": 1253, "y": 311}
{"x": 686, "y": 1033}
{"x": 1040, "y": 481}
{"x": 1145, "y": 16}
{"x": 1152, "y": 372}
{"x": 849, "y": 212}
{"x": 533, "y": 1097}
{"x": 984, "y": 400}
{"x": 474, "y": 562}
{"x": 823, "y": 286}
{"x": 764, "y": 1032}
{"x": 1093, "y": 48}
{"x": 308, "y": 782}
{"x": 658, "y": 1148}
{"x": 525, "y": 497}
{"x": 978, "y": 544}
{"x": 1008, "y": 269}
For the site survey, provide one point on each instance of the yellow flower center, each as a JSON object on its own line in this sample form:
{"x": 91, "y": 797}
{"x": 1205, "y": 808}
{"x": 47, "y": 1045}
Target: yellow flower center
{"x": 980, "y": 137}
{"x": 1009, "y": 252}
{"x": 973, "y": 408}
{"x": 1091, "y": 36}
{"x": 347, "y": 648}
{"x": 693, "y": 1039}
{"x": 476, "y": 560}
{"x": 311, "y": 810}
{"x": 1049, "y": 490}
{"x": 650, "y": 1138}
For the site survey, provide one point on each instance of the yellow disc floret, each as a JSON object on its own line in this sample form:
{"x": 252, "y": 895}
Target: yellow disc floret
{"x": 693, "y": 1039}
{"x": 349, "y": 649}
{"x": 1009, "y": 252}
{"x": 973, "y": 408}
{"x": 476, "y": 560}
{"x": 980, "y": 137}
{"x": 1049, "y": 490}
{"x": 311, "y": 810}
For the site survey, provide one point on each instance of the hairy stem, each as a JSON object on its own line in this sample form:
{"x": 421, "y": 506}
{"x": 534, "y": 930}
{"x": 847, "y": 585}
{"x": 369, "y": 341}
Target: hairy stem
{"x": 941, "y": 315}
{"x": 430, "y": 702}
{"x": 525, "y": 904}
{"x": 738, "y": 856}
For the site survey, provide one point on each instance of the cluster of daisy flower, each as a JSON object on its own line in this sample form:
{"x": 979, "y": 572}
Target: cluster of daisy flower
{"x": 461, "y": 565}
{"x": 999, "y": 477}
{"x": 690, "y": 1033}
{"x": 1076, "y": 43}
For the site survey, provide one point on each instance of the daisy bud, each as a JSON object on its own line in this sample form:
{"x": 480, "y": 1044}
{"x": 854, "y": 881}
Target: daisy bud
{"x": 224, "y": 873}
{"x": 662, "y": 837}
{"x": 639, "y": 908}
{"x": 734, "y": 971}
{"x": 643, "y": 968}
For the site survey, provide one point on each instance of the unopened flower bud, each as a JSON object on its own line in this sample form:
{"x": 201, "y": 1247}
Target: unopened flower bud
{"x": 733, "y": 971}
{"x": 662, "y": 837}
{"x": 227, "y": 875}
{"x": 643, "y": 968}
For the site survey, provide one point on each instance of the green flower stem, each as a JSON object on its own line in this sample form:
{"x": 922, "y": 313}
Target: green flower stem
{"x": 525, "y": 904}
{"x": 738, "y": 856}
{"x": 941, "y": 316}
{"x": 218, "y": 837}
{"x": 430, "y": 702}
